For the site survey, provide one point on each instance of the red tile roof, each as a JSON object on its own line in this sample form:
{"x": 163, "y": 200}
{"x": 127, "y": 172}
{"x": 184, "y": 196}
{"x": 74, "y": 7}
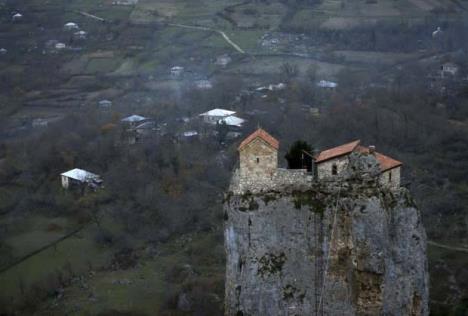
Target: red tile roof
{"x": 336, "y": 151}
{"x": 273, "y": 142}
{"x": 386, "y": 163}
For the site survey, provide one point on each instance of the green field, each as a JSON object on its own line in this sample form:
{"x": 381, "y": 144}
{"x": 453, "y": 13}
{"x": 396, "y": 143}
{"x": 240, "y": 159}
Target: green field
{"x": 145, "y": 287}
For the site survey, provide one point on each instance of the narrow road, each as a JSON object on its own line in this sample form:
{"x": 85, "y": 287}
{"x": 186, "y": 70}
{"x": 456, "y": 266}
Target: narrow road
{"x": 86, "y": 14}
{"x": 439, "y": 245}
{"x": 202, "y": 28}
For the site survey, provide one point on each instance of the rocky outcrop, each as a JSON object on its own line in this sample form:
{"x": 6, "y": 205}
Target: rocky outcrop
{"x": 347, "y": 247}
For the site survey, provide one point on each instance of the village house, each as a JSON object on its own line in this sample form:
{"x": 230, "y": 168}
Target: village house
{"x": 327, "y": 84}
{"x": 223, "y": 60}
{"x": 188, "y": 136}
{"x": 191, "y": 133}
{"x": 271, "y": 87}
{"x": 139, "y": 132}
{"x": 437, "y": 33}
{"x": 448, "y": 69}
{"x": 215, "y": 115}
{"x": 105, "y": 104}
{"x": 133, "y": 120}
{"x": 80, "y": 35}
{"x": 176, "y": 71}
{"x": 203, "y": 84}
{"x": 146, "y": 129}
{"x": 80, "y": 178}
{"x": 232, "y": 121}
{"x": 17, "y": 17}
{"x": 71, "y": 26}
{"x": 60, "y": 46}
{"x": 333, "y": 162}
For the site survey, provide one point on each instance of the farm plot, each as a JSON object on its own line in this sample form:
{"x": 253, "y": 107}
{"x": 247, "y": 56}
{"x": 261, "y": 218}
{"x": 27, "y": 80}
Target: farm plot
{"x": 270, "y": 65}
{"x": 373, "y": 58}
{"x": 342, "y": 15}
{"x": 72, "y": 256}
{"x": 147, "y": 284}
{"x": 254, "y": 15}
{"x": 179, "y": 11}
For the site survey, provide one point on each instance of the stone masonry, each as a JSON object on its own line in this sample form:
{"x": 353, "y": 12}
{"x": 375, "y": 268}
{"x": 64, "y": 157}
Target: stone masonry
{"x": 345, "y": 245}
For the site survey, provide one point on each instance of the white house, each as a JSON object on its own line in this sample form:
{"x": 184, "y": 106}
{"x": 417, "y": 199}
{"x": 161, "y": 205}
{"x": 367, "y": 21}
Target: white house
{"x": 105, "y": 104}
{"x": 17, "y": 17}
{"x": 60, "y": 46}
{"x": 327, "y": 84}
{"x": 437, "y": 33}
{"x": 80, "y": 35}
{"x": 80, "y": 177}
{"x": 71, "y": 26}
{"x": 232, "y": 121}
{"x": 203, "y": 84}
{"x": 190, "y": 133}
{"x": 133, "y": 120}
{"x": 146, "y": 128}
{"x": 223, "y": 60}
{"x": 271, "y": 87}
{"x": 448, "y": 69}
{"x": 177, "y": 71}
{"x": 215, "y": 115}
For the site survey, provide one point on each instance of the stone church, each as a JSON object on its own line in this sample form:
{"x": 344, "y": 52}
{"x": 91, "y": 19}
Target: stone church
{"x": 258, "y": 156}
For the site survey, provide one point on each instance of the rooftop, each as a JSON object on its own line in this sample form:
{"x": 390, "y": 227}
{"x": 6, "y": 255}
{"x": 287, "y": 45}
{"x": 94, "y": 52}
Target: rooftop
{"x": 327, "y": 84}
{"x": 218, "y": 112}
{"x": 71, "y": 25}
{"x": 260, "y": 133}
{"x": 232, "y": 121}
{"x": 386, "y": 163}
{"x": 134, "y": 118}
{"x": 80, "y": 175}
{"x": 337, "y": 151}
{"x": 190, "y": 133}
{"x": 146, "y": 125}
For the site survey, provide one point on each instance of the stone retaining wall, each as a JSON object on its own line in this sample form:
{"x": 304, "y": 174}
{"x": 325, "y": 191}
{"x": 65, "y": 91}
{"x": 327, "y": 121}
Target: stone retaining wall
{"x": 279, "y": 180}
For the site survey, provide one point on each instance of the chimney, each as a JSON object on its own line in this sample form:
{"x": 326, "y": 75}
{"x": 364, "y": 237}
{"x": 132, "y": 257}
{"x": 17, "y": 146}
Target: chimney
{"x": 371, "y": 149}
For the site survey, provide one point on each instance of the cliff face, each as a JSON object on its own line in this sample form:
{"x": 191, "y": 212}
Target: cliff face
{"x": 347, "y": 247}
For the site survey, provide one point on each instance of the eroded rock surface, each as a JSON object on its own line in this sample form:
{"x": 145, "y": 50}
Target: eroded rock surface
{"x": 348, "y": 247}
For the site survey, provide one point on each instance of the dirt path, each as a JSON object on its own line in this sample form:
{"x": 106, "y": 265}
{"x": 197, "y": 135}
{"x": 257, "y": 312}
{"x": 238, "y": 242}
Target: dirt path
{"x": 202, "y": 28}
{"x": 439, "y": 245}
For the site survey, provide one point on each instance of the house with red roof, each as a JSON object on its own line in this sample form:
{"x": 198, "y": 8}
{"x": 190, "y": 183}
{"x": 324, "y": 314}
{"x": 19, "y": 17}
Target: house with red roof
{"x": 258, "y": 156}
{"x": 332, "y": 162}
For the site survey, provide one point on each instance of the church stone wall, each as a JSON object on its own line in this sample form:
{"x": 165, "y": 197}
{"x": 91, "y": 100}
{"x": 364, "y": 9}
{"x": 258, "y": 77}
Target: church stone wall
{"x": 324, "y": 169}
{"x": 258, "y": 160}
{"x": 280, "y": 179}
{"x": 391, "y": 178}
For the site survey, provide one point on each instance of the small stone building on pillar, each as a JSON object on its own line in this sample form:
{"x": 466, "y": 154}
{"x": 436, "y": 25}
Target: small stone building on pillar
{"x": 258, "y": 156}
